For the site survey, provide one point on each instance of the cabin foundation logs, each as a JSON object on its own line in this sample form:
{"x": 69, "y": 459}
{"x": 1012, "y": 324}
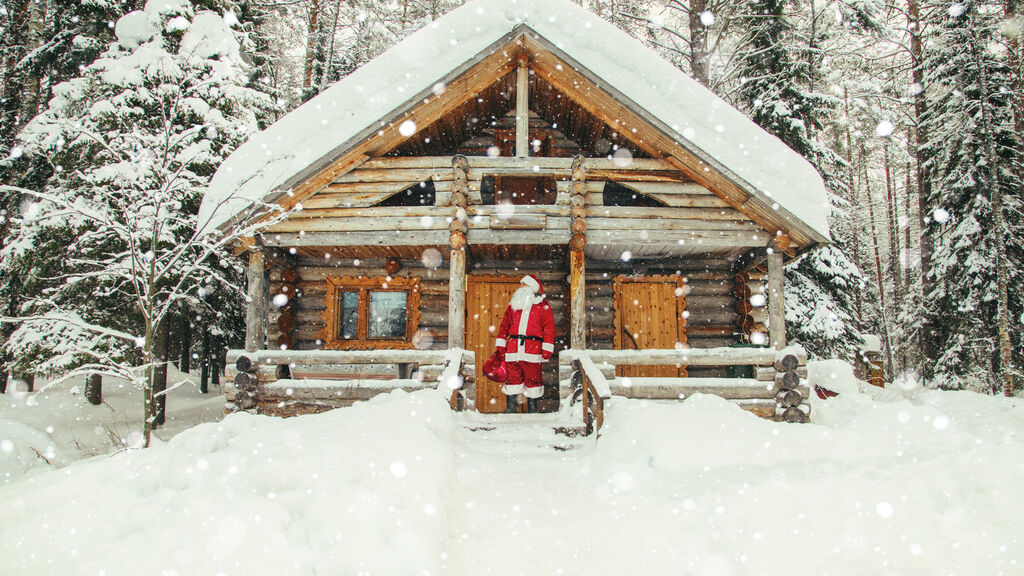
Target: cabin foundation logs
{"x": 246, "y": 384}
{"x": 791, "y": 390}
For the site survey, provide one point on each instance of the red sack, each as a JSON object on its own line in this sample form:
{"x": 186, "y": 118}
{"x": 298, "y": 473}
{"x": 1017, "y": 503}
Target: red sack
{"x": 495, "y": 369}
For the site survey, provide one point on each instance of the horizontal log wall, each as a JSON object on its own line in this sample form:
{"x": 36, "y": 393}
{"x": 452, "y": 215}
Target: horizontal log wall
{"x": 711, "y": 301}
{"x": 312, "y": 287}
{"x": 711, "y": 304}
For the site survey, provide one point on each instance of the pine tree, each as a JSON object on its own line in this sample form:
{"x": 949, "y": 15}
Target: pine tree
{"x": 111, "y": 243}
{"x": 777, "y": 91}
{"x": 973, "y": 161}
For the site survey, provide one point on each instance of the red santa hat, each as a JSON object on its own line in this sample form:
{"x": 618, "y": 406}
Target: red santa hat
{"x": 532, "y": 281}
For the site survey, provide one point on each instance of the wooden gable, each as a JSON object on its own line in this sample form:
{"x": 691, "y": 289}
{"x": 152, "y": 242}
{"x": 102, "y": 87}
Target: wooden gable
{"x": 583, "y": 113}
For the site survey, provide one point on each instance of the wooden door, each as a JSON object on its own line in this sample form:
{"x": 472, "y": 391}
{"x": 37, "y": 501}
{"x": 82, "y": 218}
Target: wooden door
{"x": 487, "y": 298}
{"x": 649, "y": 314}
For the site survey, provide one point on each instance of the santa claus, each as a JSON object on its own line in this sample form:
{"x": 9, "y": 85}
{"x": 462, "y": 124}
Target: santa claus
{"x": 525, "y": 340}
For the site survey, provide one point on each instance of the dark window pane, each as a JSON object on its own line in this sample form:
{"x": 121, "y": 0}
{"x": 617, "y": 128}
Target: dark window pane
{"x": 348, "y": 323}
{"x": 387, "y": 314}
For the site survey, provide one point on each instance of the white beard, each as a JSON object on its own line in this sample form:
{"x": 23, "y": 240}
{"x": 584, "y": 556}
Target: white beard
{"x": 523, "y": 298}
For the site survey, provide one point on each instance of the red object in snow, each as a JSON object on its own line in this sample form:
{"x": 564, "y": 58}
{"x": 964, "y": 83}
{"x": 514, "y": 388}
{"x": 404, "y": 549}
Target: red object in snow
{"x": 495, "y": 369}
{"x": 824, "y": 393}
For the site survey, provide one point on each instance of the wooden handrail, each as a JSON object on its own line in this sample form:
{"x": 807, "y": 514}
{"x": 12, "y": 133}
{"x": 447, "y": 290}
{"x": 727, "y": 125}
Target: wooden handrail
{"x": 348, "y": 356}
{"x": 685, "y": 356}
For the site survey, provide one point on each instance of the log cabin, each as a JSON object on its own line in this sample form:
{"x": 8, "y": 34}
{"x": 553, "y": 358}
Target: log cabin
{"x": 403, "y": 204}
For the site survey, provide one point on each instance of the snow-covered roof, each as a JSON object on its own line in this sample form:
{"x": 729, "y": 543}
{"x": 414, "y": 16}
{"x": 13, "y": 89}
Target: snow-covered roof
{"x": 279, "y": 158}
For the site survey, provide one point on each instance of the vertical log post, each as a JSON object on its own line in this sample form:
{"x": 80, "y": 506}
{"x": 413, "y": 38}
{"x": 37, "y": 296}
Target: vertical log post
{"x": 457, "y": 242}
{"x": 256, "y": 307}
{"x": 577, "y": 260}
{"x": 523, "y": 107}
{"x": 776, "y": 304}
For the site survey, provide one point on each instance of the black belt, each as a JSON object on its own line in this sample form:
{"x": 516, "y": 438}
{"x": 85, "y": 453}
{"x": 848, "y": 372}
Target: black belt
{"x": 521, "y": 337}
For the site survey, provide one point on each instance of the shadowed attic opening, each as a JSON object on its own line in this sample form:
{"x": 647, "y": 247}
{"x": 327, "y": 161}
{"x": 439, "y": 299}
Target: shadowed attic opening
{"x": 485, "y": 125}
{"x": 422, "y": 194}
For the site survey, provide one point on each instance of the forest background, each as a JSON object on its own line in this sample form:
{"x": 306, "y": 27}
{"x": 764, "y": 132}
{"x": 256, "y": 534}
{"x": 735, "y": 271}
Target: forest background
{"x": 910, "y": 109}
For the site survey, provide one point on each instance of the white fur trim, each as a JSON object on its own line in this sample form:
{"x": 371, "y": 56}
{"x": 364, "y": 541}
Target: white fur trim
{"x": 534, "y": 391}
{"x": 529, "y": 281}
{"x": 524, "y": 321}
{"x": 524, "y": 357}
{"x": 510, "y": 389}
{"x": 548, "y": 347}
{"x": 500, "y": 343}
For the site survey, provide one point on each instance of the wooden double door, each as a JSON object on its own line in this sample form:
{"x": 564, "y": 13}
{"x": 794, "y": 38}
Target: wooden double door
{"x": 649, "y": 313}
{"x": 487, "y": 298}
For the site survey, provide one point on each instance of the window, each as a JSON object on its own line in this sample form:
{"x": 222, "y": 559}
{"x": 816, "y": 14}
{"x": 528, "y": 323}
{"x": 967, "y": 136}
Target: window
{"x": 366, "y": 313}
{"x": 517, "y": 190}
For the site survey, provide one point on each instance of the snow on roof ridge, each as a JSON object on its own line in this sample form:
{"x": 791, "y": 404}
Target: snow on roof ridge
{"x": 269, "y": 162}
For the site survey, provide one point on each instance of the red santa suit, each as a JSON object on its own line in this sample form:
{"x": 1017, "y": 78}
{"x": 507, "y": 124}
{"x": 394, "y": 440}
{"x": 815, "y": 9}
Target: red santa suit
{"x": 527, "y": 338}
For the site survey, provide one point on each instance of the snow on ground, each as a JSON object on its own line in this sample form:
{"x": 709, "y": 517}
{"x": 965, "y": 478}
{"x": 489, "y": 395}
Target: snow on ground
{"x": 52, "y": 428}
{"x": 882, "y": 482}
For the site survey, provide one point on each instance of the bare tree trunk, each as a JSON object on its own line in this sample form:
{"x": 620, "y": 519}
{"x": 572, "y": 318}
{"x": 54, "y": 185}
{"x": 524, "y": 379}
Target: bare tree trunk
{"x": 31, "y": 81}
{"x": 894, "y": 248}
{"x": 330, "y": 52}
{"x": 206, "y": 361}
{"x": 163, "y": 335}
{"x": 998, "y": 221}
{"x": 878, "y": 272}
{"x": 185, "y": 365}
{"x": 218, "y": 361}
{"x": 891, "y": 206}
{"x": 851, "y": 174}
{"x": 94, "y": 389}
{"x": 929, "y": 354}
{"x": 908, "y": 279}
{"x": 1013, "y": 42}
{"x": 699, "y": 42}
{"x": 13, "y": 82}
{"x": 311, "y": 39}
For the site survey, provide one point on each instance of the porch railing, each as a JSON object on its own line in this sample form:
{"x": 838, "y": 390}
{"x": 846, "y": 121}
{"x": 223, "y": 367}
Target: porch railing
{"x": 778, "y": 387}
{"x": 274, "y": 380}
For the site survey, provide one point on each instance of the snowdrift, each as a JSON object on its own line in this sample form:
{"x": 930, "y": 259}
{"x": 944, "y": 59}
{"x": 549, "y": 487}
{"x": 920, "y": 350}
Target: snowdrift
{"x": 882, "y": 482}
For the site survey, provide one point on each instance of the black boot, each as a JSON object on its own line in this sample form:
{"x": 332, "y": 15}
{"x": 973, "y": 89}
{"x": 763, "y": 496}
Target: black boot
{"x": 512, "y": 404}
{"x": 531, "y": 405}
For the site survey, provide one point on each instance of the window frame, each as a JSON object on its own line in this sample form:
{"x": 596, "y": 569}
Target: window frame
{"x": 364, "y": 285}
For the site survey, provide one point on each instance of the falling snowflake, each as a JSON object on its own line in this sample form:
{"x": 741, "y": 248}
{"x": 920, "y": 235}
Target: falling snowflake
{"x": 707, "y": 18}
{"x": 885, "y": 129}
{"x": 432, "y": 258}
{"x": 957, "y": 10}
{"x": 940, "y": 215}
{"x": 280, "y": 300}
{"x": 884, "y": 509}
{"x": 622, "y": 157}
{"x": 407, "y": 128}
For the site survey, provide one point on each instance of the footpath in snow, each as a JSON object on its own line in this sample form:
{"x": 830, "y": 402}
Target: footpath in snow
{"x": 887, "y": 483}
